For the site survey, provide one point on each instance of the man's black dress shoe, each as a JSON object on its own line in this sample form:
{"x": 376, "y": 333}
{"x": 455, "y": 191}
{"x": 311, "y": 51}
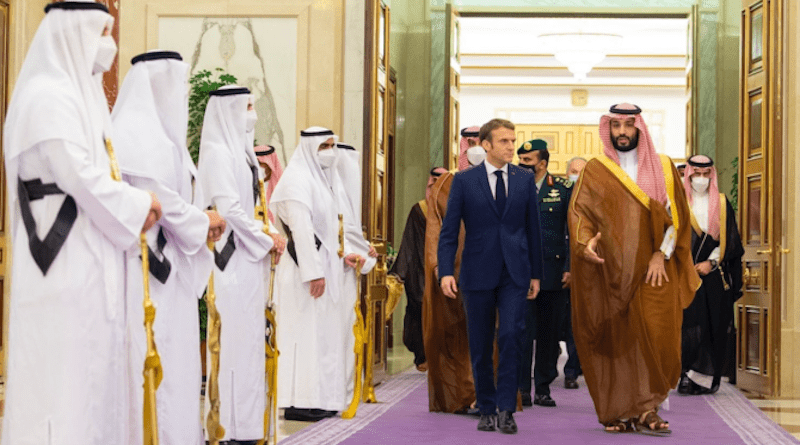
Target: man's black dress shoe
{"x": 487, "y": 422}
{"x": 307, "y": 414}
{"x": 683, "y": 385}
{"x": 526, "y": 399}
{"x": 543, "y": 400}
{"x": 570, "y": 383}
{"x": 506, "y": 423}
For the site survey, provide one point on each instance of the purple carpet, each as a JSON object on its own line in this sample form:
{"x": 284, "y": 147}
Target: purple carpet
{"x": 402, "y": 417}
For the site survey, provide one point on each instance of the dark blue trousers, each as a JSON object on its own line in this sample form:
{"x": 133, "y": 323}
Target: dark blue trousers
{"x": 503, "y": 309}
{"x": 572, "y": 369}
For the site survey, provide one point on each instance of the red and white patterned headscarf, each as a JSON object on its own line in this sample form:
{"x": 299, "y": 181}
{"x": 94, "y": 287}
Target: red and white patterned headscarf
{"x": 436, "y": 172}
{"x": 692, "y": 164}
{"x": 649, "y": 176}
{"x": 268, "y": 155}
{"x": 466, "y": 134}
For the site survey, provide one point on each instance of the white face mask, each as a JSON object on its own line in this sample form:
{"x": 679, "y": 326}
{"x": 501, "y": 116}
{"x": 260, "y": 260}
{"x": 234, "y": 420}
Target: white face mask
{"x": 250, "y": 122}
{"x": 573, "y": 178}
{"x": 326, "y": 158}
{"x": 700, "y": 184}
{"x": 476, "y": 154}
{"x": 106, "y": 51}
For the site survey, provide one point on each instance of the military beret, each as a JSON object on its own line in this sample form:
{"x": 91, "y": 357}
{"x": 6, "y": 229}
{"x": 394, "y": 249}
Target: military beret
{"x": 529, "y": 146}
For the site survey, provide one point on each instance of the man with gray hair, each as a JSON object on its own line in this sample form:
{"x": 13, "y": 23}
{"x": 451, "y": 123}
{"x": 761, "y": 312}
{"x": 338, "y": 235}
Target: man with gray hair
{"x": 574, "y": 167}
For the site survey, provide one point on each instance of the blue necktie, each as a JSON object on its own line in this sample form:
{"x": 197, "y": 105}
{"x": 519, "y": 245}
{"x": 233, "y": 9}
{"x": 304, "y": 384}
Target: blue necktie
{"x": 500, "y": 192}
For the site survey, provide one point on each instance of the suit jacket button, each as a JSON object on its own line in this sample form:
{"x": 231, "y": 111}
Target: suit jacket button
{"x": 551, "y": 209}
{"x": 558, "y": 257}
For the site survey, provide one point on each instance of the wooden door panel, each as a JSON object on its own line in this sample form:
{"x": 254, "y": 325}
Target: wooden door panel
{"x": 760, "y": 150}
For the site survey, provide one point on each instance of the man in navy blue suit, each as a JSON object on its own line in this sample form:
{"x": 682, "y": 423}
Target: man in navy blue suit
{"x": 501, "y": 266}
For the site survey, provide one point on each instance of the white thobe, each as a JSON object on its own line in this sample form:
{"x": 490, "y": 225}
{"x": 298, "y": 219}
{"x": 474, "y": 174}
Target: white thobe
{"x": 700, "y": 211}
{"x": 176, "y": 326}
{"x": 355, "y": 242}
{"x": 66, "y": 344}
{"x": 241, "y": 295}
{"x": 312, "y": 335}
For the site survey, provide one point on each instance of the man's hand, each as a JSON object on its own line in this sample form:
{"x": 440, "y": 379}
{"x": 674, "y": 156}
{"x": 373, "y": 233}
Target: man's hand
{"x": 703, "y": 268}
{"x": 155, "y": 213}
{"x": 352, "y": 260}
{"x": 216, "y": 225}
{"x": 590, "y": 251}
{"x": 533, "y": 291}
{"x": 278, "y": 245}
{"x": 566, "y": 279}
{"x": 372, "y": 252}
{"x": 656, "y": 273}
{"x": 449, "y": 286}
{"x": 317, "y": 287}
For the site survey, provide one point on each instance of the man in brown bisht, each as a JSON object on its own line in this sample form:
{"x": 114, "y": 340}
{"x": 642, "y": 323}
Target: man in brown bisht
{"x": 630, "y": 234}
{"x": 444, "y": 322}
{"x": 410, "y": 268}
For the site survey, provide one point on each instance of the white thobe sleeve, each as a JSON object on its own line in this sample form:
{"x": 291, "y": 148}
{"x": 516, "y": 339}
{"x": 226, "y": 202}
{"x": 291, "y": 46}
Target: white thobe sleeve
{"x": 668, "y": 245}
{"x": 298, "y": 218}
{"x": 714, "y": 254}
{"x": 117, "y": 209}
{"x": 186, "y": 224}
{"x": 247, "y": 229}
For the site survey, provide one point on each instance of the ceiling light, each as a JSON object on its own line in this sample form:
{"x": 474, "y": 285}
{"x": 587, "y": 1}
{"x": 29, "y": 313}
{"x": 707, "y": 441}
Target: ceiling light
{"x": 580, "y": 52}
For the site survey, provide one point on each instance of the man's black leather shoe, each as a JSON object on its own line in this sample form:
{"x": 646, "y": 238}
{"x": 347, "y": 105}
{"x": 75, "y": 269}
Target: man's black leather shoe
{"x": 506, "y": 423}
{"x": 487, "y": 422}
{"x": 570, "y": 383}
{"x": 526, "y": 399}
{"x": 543, "y": 400}
{"x": 684, "y": 386}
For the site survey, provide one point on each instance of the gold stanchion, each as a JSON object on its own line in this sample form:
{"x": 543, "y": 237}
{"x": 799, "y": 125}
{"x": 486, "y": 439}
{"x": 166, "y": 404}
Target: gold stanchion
{"x": 152, "y": 362}
{"x": 271, "y": 344}
{"x": 214, "y": 430}
{"x": 358, "y": 347}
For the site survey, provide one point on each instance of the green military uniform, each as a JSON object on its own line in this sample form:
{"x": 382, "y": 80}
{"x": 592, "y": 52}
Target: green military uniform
{"x": 545, "y": 315}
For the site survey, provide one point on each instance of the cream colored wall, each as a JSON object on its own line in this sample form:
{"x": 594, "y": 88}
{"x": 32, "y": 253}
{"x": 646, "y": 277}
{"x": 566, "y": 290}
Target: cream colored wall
{"x": 790, "y": 323}
{"x": 320, "y": 49}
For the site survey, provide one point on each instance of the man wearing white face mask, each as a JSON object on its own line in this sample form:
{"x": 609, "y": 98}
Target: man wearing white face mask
{"x": 575, "y": 167}
{"x": 708, "y": 333}
{"x": 150, "y": 119}
{"x": 314, "y": 343}
{"x": 70, "y": 224}
{"x": 229, "y": 178}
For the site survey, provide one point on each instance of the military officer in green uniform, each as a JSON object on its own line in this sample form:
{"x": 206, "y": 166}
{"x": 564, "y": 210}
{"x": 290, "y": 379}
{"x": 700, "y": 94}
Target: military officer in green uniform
{"x": 545, "y": 314}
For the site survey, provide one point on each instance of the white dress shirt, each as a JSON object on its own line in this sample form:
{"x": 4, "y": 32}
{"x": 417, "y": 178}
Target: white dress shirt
{"x": 490, "y": 169}
{"x": 629, "y": 162}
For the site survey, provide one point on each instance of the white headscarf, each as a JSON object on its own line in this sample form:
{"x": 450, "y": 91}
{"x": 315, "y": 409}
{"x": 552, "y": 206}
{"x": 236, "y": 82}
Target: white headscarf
{"x": 151, "y": 116}
{"x": 57, "y": 97}
{"x": 304, "y": 181}
{"x": 224, "y": 128}
{"x": 349, "y": 170}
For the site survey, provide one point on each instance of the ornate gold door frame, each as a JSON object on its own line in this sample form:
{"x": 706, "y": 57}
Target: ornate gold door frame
{"x": 452, "y": 89}
{"x": 5, "y": 30}
{"x": 760, "y": 196}
{"x": 378, "y": 147}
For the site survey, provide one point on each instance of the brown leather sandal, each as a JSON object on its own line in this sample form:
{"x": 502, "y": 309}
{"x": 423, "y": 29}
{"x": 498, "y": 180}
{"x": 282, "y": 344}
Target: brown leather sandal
{"x": 652, "y": 424}
{"x": 619, "y": 426}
